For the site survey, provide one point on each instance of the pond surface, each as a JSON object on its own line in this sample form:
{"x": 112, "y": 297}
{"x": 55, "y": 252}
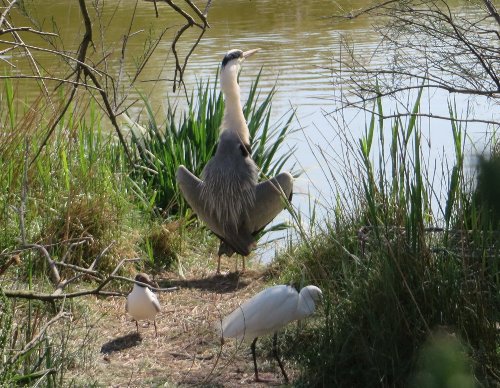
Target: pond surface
{"x": 298, "y": 41}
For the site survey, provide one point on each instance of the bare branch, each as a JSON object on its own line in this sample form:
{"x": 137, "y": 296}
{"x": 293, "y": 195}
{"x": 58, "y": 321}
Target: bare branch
{"x": 26, "y": 29}
{"x": 82, "y": 53}
{"x": 190, "y": 22}
{"x": 61, "y": 80}
{"x": 61, "y": 315}
{"x": 493, "y": 11}
{"x": 424, "y": 40}
{"x": 54, "y": 273}
{"x": 98, "y": 290}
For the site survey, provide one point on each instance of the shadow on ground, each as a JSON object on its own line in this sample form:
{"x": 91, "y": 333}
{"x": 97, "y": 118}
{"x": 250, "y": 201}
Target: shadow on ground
{"x": 122, "y": 343}
{"x": 220, "y": 283}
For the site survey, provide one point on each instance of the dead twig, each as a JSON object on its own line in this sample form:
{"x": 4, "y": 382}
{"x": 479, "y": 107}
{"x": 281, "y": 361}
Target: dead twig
{"x": 190, "y": 22}
{"x": 61, "y": 315}
{"x": 86, "y": 70}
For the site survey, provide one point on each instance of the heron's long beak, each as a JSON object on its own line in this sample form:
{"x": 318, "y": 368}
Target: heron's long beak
{"x": 248, "y": 53}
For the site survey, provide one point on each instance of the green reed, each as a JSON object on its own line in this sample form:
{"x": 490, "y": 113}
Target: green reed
{"x": 190, "y": 138}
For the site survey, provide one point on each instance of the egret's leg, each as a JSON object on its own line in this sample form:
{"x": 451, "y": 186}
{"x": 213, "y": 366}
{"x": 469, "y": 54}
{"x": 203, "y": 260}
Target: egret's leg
{"x": 156, "y": 330}
{"x": 137, "y": 325}
{"x": 255, "y": 360}
{"x": 275, "y": 352}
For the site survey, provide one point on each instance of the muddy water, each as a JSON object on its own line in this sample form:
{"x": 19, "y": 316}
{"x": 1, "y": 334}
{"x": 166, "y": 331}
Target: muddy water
{"x": 299, "y": 42}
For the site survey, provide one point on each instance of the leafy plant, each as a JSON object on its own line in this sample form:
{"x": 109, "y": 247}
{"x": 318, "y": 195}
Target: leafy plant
{"x": 190, "y": 138}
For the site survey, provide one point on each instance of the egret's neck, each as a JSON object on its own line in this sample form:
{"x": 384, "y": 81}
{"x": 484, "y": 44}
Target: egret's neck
{"x": 306, "y": 306}
{"x": 233, "y": 112}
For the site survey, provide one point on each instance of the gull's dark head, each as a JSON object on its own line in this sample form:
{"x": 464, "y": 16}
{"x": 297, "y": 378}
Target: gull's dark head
{"x": 143, "y": 278}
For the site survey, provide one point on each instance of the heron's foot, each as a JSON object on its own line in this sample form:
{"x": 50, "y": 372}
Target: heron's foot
{"x": 259, "y": 379}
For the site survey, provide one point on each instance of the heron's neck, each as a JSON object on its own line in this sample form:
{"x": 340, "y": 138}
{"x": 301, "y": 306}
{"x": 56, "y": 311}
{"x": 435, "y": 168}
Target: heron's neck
{"x": 233, "y": 112}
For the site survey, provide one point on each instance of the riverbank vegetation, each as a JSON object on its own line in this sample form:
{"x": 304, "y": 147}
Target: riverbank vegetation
{"x": 406, "y": 256}
{"x": 402, "y": 263}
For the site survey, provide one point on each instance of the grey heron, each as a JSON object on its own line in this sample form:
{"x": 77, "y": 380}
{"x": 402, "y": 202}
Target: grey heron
{"x": 266, "y": 313}
{"x": 142, "y": 303}
{"x": 228, "y": 197}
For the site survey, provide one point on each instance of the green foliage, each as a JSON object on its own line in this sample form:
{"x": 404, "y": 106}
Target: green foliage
{"x": 488, "y": 190}
{"x": 76, "y": 190}
{"x": 391, "y": 277}
{"x": 26, "y": 356}
{"x": 191, "y": 139}
{"x": 443, "y": 362}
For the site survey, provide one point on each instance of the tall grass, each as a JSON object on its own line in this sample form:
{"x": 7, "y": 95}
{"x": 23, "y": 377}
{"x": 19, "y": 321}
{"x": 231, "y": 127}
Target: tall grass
{"x": 190, "y": 138}
{"x": 402, "y": 260}
{"x": 77, "y": 190}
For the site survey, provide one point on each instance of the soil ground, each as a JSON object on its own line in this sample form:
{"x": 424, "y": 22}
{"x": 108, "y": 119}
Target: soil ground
{"x": 187, "y": 350}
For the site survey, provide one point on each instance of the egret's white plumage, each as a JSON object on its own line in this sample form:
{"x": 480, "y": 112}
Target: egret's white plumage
{"x": 142, "y": 303}
{"x": 229, "y": 198}
{"x": 267, "y": 312}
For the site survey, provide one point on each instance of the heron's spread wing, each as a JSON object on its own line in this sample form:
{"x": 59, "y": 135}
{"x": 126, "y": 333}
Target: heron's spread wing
{"x": 239, "y": 239}
{"x": 270, "y": 199}
{"x": 191, "y": 188}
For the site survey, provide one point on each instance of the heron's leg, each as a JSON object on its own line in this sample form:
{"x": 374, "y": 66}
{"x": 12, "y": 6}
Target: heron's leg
{"x": 156, "y": 330}
{"x": 218, "y": 265}
{"x": 137, "y": 325}
{"x": 243, "y": 258}
{"x": 275, "y": 352}
{"x": 255, "y": 360}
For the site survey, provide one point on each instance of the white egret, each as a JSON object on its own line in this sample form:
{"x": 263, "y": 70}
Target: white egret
{"x": 142, "y": 303}
{"x": 267, "y": 312}
{"x": 229, "y": 198}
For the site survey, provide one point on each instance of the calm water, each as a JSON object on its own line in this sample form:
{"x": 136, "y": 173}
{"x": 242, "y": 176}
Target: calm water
{"x": 298, "y": 42}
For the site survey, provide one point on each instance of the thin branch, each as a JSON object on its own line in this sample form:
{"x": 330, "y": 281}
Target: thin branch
{"x": 54, "y": 273}
{"x": 82, "y": 53}
{"x": 26, "y": 29}
{"x": 33, "y": 295}
{"x": 427, "y": 115}
{"x": 55, "y": 52}
{"x": 61, "y": 315}
{"x": 362, "y": 11}
{"x": 493, "y": 11}
{"x": 34, "y": 63}
{"x": 98, "y": 290}
{"x": 61, "y": 80}
{"x": 6, "y": 12}
{"x": 179, "y": 70}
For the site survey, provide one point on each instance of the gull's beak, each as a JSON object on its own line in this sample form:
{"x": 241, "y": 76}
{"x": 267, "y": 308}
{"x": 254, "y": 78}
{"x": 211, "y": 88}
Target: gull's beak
{"x": 248, "y": 53}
